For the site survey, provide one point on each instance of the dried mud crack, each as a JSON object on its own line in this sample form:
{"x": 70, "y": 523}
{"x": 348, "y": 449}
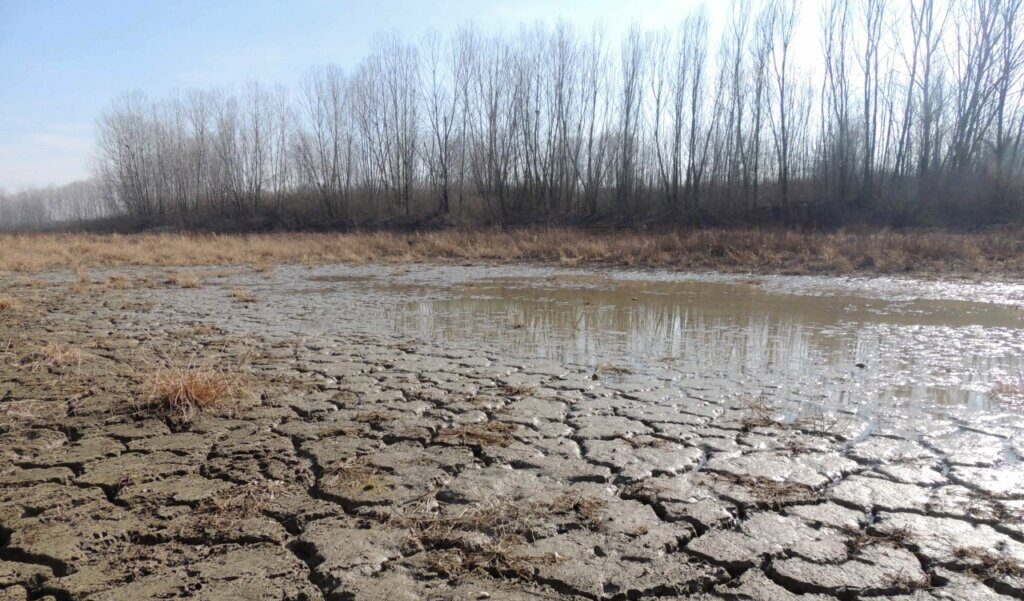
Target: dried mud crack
{"x": 370, "y": 467}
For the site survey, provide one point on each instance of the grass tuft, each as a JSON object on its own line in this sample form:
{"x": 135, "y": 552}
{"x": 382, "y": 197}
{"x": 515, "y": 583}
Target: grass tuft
{"x": 54, "y": 354}
{"x": 182, "y": 393}
{"x": 616, "y": 370}
{"x": 226, "y": 508}
{"x": 759, "y": 415}
{"x": 514, "y": 390}
{"x": 117, "y": 282}
{"x": 242, "y": 295}
{"x": 183, "y": 279}
{"x": 987, "y": 564}
{"x": 493, "y": 537}
{"x": 8, "y": 303}
{"x": 357, "y": 474}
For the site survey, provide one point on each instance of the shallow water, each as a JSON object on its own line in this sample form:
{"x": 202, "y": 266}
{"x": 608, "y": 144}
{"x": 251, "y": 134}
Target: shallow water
{"x": 857, "y": 344}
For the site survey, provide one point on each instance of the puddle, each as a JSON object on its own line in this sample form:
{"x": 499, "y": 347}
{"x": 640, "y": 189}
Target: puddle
{"x": 844, "y": 342}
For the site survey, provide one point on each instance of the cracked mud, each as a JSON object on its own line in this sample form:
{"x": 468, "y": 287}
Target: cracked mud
{"x": 418, "y": 462}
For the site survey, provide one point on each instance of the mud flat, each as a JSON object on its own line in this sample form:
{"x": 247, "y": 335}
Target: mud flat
{"x": 440, "y": 432}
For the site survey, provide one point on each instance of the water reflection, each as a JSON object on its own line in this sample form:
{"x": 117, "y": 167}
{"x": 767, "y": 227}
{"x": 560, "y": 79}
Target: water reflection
{"x": 858, "y": 350}
{"x": 866, "y": 344}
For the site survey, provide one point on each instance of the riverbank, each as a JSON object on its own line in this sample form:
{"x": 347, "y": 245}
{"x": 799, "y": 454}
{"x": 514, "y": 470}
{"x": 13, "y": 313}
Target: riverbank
{"x": 919, "y": 252}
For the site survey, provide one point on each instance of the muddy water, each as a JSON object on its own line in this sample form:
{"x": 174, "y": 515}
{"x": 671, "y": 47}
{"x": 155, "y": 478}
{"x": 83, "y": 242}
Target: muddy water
{"x": 860, "y": 344}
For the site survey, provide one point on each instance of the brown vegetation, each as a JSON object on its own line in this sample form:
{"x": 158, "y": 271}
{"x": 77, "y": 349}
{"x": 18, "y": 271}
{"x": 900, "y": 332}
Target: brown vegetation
{"x": 515, "y": 390}
{"x": 180, "y": 393}
{"x": 242, "y": 295}
{"x": 770, "y": 493}
{"x": 1010, "y": 390}
{"x": 227, "y": 507}
{"x": 988, "y": 564}
{"x": 489, "y": 433}
{"x": 759, "y": 250}
{"x": 357, "y": 474}
{"x": 184, "y": 279}
{"x": 492, "y": 536}
{"x": 862, "y": 539}
{"x": 8, "y": 303}
{"x": 117, "y": 282}
{"x": 54, "y": 354}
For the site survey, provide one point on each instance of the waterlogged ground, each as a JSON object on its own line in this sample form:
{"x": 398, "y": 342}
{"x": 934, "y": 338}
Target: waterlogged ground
{"x": 470, "y": 432}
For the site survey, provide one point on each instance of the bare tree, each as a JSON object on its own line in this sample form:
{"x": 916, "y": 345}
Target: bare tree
{"x": 786, "y": 14}
{"x": 919, "y": 109}
{"x": 324, "y": 143}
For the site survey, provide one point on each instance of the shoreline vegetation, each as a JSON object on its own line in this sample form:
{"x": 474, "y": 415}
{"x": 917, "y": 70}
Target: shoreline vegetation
{"x": 776, "y": 251}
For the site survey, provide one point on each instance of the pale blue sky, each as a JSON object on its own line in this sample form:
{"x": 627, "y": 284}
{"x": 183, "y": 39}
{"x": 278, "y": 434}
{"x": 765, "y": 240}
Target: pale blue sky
{"x": 62, "y": 61}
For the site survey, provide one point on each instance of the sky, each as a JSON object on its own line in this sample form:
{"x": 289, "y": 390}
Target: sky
{"x": 62, "y": 62}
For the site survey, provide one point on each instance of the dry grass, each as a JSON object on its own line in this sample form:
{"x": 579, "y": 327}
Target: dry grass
{"x": 490, "y": 433}
{"x": 375, "y": 418}
{"x": 183, "y": 279}
{"x": 737, "y": 249}
{"x": 615, "y": 370}
{"x": 54, "y": 354}
{"x": 202, "y": 329}
{"x": 117, "y": 282}
{"x": 8, "y": 303}
{"x": 7, "y": 353}
{"x": 20, "y": 414}
{"x": 357, "y": 474}
{"x": 1010, "y": 390}
{"x": 502, "y": 556}
{"x": 263, "y": 267}
{"x": 779, "y": 494}
{"x": 33, "y": 283}
{"x": 759, "y": 415}
{"x": 181, "y": 393}
{"x": 774, "y": 494}
{"x": 987, "y": 564}
{"x": 514, "y": 390}
{"x": 493, "y": 536}
{"x": 228, "y": 507}
{"x": 242, "y": 295}
{"x": 500, "y": 518}
{"x": 862, "y": 539}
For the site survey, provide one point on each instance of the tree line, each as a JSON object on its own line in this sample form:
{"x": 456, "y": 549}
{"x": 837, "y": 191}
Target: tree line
{"x": 908, "y": 112}
{"x": 38, "y": 208}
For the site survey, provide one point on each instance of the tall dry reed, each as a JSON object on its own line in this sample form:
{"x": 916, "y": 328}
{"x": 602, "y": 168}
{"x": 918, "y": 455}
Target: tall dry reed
{"x": 750, "y": 249}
